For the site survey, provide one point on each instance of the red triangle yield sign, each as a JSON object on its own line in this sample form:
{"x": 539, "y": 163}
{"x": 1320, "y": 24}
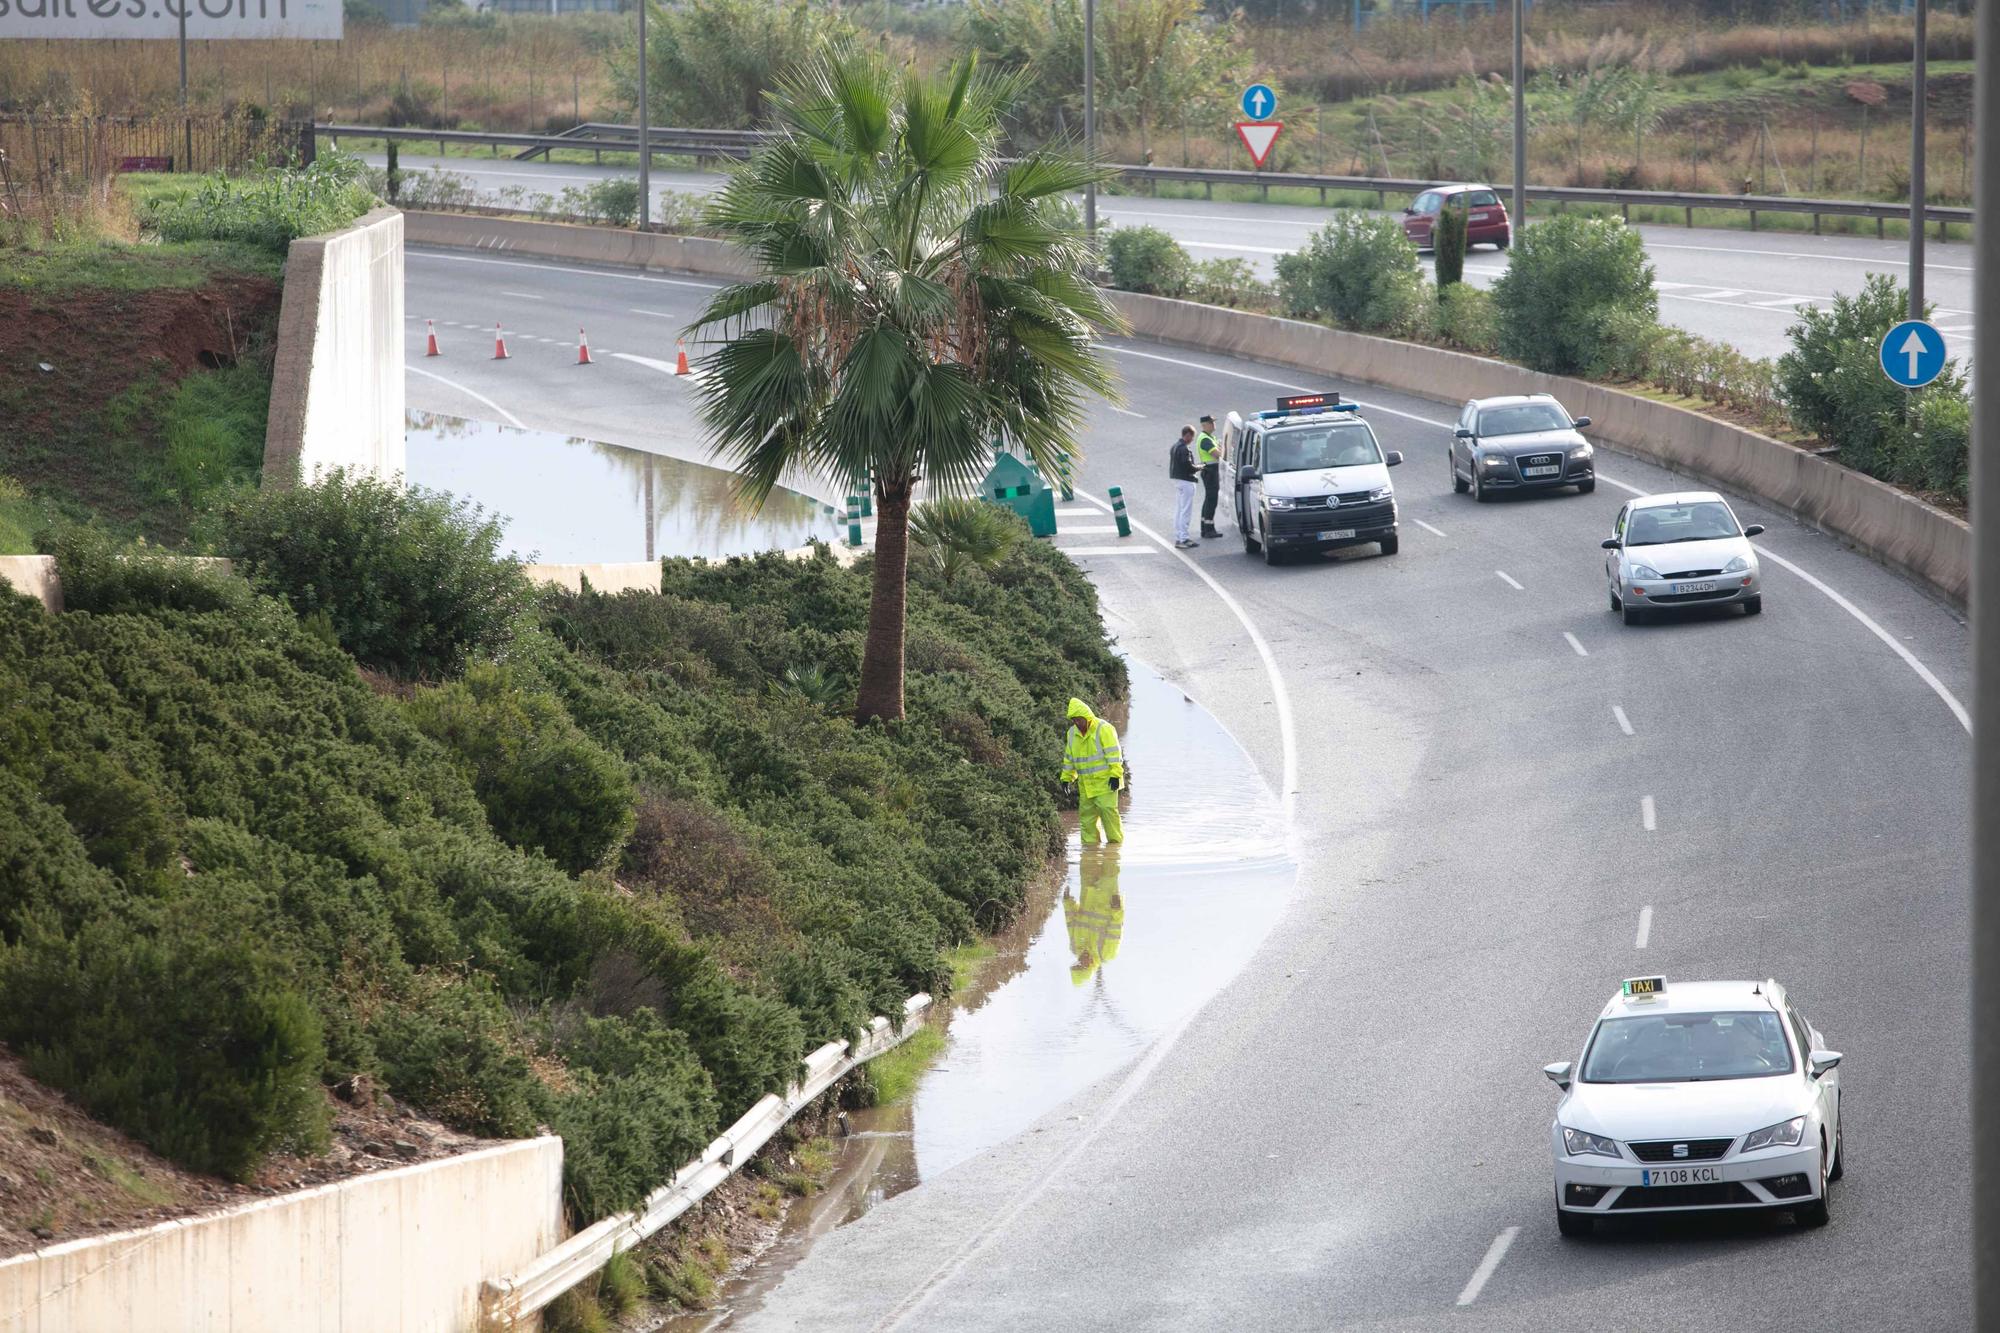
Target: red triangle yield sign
{"x": 1258, "y": 136}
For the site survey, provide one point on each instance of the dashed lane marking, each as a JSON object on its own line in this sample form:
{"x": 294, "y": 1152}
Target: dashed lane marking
{"x": 1494, "y": 1254}
{"x": 1649, "y": 815}
{"x": 1645, "y": 927}
{"x": 1577, "y": 644}
{"x": 1436, "y": 532}
{"x": 1624, "y": 723}
{"x": 1509, "y": 580}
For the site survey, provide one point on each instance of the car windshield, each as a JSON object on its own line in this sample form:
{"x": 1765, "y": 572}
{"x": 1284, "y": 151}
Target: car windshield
{"x": 1427, "y": 203}
{"x": 1686, "y": 1048}
{"x": 1347, "y": 444}
{"x": 1701, "y": 521}
{"x": 1522, "y": 419}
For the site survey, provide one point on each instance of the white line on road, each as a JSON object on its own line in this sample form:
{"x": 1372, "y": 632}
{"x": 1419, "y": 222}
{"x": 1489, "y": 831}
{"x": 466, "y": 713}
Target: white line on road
{"x": 1797, "y": 254}
{"x": 1125, "y": 411}
{"x": 1494, "y": 1254}
{"x": 1508, "y": 579}
{"x": 1645, "y": 927}
{"x": 563, "y": 268}
{"x": 1910, "y": 660}
{"x": 1723, "y": 294}
{"x": 1577, "y": 644}
{"x": 1649, "y": 816}
{"x": 469, "y": 393}
{"x": 1091, "y": 529}
{"x": 1624, "y": 723}
{"x": 1260, "y": 379}
{"x": 1436, "y": 532}
{"x": 525, "y": 296}
{"x": 1106, "y": 550}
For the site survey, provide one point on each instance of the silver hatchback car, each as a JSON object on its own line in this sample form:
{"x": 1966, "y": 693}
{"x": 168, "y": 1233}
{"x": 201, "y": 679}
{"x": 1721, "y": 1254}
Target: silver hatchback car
{"x": 1681, "y": 550}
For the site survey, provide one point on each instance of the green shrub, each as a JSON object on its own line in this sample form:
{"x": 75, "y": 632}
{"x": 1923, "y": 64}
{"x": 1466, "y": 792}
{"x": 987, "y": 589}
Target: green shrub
{"x": 1448, "y": 246}
{"x": 271, "y": 209}
{"x": 213, "y": 428}
{"x": 1465, "y": 319}
{"x": 412, "y": 581}
{"x": 1629, "y": 345}
{"x": 545, "y": 785}
{"x": 1566, "y": 278}
{"x": 1146, "y": 260}
{"x": 953, "y": 534}
{"x": 613, "y": 202}
{"x": 1359, "y": 271}
{"x": 1227, "y": 282}
{"x": 1831, "y": 376}
{"x": 1939, "y": 452}
{"x": 102, "y": 575}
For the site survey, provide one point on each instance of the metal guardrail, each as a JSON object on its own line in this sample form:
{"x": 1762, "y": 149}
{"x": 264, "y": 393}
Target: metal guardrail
{"x": 512, "y": 1302}
{"x": 736, "y": 144}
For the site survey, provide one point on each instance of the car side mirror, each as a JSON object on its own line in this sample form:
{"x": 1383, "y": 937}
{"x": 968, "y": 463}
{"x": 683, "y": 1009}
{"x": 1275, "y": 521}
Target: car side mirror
{"x": 1611, "y": 544}
{"x": 1753, "y": 529}
{"x": 1580, "y": 422}
{"x": 1822, "y": 1061}
{"x": 1394, "y": 457}
{"x": 1558, "y": 1073}
{"x": 1463, "y": 433}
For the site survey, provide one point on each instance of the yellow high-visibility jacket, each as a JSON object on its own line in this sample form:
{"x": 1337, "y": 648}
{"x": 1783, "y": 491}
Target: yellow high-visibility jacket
{"x": 1091, "y": 757}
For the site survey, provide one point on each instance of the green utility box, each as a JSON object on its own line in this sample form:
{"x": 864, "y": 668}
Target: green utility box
{"x": 1013, "y": 483}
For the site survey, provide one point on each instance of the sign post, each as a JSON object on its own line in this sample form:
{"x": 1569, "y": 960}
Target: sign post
{"x": 1912, "y": 354}
{"x": 1259, "y": 132}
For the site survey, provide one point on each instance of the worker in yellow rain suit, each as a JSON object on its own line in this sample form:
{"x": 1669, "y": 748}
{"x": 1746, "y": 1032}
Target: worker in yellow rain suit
{"x": 1093, "y": 761}
{"x": 1095, "y": 916}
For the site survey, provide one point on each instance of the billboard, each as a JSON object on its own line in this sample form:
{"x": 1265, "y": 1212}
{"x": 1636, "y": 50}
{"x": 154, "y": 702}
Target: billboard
{"x": 207, "y": 20}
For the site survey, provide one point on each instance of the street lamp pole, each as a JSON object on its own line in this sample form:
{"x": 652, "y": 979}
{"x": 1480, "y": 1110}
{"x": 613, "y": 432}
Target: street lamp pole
{"x": 1519, "y": 217}
{"x": 645, "y": 143}
{"x": 1986, "y": 686}
{"x": 1090, "y": 115}
{"x": 1918, "y": 96}
{"x": 187, "y": 126}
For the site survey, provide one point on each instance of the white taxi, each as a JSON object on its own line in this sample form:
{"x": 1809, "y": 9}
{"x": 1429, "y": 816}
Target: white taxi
{"x": 1707, "y": 1095}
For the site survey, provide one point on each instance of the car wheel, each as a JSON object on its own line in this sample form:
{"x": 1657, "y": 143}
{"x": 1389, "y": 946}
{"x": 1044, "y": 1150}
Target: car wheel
{"x": 1503, "y": 242}
{"x": 1270, "y": 552}
{"x": 1575, "y": 1226}
{"x": 1459, "y": 485}
{"x": 1817, "y": 1213}
{"x": 1616, "y": 605}
{"x": 1586, "y": 487}
{"x": 1479, "y": 486}
{"x": 1633, "y": 615}
{"x": 1390, "y": 545}
{"x": 1249, "y": 541}
{"x": 1839, "y": 1157}
{"x": 1753, "y": 605}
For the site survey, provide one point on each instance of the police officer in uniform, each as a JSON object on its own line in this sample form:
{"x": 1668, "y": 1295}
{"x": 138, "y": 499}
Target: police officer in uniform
{"x": 1209, "y": 455}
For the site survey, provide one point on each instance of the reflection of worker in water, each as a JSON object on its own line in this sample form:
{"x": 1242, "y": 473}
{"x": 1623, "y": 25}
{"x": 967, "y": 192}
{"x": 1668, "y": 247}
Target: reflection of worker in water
{"x": 1094, "y": 913}
{"x": 1093, "y": 761}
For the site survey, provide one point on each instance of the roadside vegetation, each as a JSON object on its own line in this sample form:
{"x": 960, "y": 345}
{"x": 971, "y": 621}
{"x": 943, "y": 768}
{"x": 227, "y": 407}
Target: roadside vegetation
{"x": 373, "y": 806}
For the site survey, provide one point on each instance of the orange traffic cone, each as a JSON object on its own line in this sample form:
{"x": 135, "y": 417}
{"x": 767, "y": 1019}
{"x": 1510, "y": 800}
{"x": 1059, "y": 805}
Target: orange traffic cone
{"x": 583, "y": 349}
{"x": 499, "y": 345}
{"x": 431, "y": 339}
{"x": 681, "y": 356}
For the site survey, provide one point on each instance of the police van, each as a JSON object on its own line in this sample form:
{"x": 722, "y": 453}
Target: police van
{"x": 1307, "y": 477}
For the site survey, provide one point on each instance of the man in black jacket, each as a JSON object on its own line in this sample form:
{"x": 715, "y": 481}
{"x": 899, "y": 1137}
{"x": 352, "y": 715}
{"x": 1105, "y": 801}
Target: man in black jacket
{"x": 1180, "y": 467}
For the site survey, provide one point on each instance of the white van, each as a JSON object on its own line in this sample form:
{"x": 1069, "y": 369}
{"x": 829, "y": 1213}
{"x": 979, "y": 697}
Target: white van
{"x": 1309, "y": 476}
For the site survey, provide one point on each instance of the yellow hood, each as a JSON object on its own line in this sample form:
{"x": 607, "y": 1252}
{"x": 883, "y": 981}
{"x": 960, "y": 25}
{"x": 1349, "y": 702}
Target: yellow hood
{"x": 1078, "y": 708}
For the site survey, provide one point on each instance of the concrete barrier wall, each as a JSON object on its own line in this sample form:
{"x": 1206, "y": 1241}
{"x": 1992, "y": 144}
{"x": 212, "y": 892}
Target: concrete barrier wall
{"x": 406, "y": 1249}
{"x": 589, "y": 245}
{"x": 629, "y": 576}
{"x": 337, "y": 385}
{"x": 1896, "y": 528}
{"x": 34, "y": 575}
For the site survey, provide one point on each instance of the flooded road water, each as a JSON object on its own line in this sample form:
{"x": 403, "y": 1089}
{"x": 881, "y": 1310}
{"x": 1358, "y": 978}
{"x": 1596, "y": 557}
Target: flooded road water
{"x": 1132, "y": 939}
{"x": 568, "y": 500}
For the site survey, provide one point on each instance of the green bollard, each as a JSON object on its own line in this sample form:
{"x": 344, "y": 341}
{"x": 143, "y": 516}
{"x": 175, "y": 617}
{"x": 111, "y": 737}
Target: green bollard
{"x": 1118, "y": 512}
{"x": 867, "y": 496}
{"x": 854, "y": 520}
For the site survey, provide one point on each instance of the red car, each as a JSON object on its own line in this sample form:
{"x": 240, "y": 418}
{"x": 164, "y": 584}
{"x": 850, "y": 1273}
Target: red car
{"x": 1485, "y": 215}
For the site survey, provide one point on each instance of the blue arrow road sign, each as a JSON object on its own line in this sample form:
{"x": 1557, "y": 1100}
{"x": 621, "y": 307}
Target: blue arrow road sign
{"x": 1912, "y": 353}
{"x": 1259, "y": 102}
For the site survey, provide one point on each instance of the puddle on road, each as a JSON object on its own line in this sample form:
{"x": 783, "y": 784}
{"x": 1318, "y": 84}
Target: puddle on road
{"x": 1088, "y": 978}
{"x": 573, "y": 501}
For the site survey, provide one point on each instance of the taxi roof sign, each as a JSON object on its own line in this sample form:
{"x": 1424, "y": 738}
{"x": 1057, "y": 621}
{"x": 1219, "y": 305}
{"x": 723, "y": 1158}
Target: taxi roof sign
{"x": 1643, "y": 988}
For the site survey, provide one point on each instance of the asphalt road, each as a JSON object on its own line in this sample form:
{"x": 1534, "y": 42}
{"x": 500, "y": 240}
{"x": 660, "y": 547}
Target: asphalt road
{"x": 1352, "y": 1129}
{"x": 1737, "y": 286}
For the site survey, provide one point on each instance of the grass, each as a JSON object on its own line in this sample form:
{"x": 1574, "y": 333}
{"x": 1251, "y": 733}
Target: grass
{"x": 20, "y": 518}
{"x": 965, "y": 962}
{"x": 894, "y": 1073}
{"x": 120, "y": 267}
{"x": 118, "y": 1173}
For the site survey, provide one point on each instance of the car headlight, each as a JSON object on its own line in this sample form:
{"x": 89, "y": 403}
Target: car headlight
{"x": 1737, "y": 566}
{"x": 1786, "y": 1135}
{"x": 1580, "y": 453}
{"x": 1644, "y": 572}
{"x": 1381, "y": 493}
{"x": 1579, "y": 1144}
{"x": 1280, "y": 502}
{"x": 1495, "y": 460}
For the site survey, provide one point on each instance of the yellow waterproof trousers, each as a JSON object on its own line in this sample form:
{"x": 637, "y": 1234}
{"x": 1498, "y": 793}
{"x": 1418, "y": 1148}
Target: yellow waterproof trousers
{"x": 1099, "y": 809}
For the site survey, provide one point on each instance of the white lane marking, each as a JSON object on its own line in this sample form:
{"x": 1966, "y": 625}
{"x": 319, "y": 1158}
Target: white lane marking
{"x": 1624, "y": 723}
{"x": 1577, "y": 644}
{"x": 654, "y": 363}
{"x": 1250, "y": 249}
{"x": 1091, "y": 529}
{"x": 563, "y": 268}
{"x": 1281, "y": 697}
{"x": 474, "y": 394}
{"x": 525, "y": 296}
{"x": 656, "y": 314}
{"x": 1494, "y": 1254}
{"x": 1438, "y": 532}
{"x": 1910, "y": 659}
{"x": 1649, "y": 815}
{"x": 1106, "y": 550}
{"x": 1508, "y": 579}
{"x": 1645, "y": 927}
{"x": 1125, "y": 411}
{"x": 1259, "y": 379}
{"x": 1799, "y": 254}
{"x": 1723, "y": 294}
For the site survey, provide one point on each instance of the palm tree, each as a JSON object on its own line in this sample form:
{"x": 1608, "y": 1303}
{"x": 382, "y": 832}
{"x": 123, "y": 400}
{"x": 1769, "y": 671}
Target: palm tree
{"x": 957, "y": 533}
{"x": 918, "y": 301}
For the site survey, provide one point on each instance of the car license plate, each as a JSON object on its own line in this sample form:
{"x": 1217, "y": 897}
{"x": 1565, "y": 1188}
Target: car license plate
{"x": 1694, "y": 587}
{"x": 1336, "y": 535}
{"x": 1681, "y": 1175}
{"x": 1546, "y": 470}
{"x": 1477, "y": 217}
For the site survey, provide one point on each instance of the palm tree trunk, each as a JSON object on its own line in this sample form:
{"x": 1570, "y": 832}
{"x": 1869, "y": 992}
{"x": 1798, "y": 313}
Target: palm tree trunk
{"x": 881, "y": 691}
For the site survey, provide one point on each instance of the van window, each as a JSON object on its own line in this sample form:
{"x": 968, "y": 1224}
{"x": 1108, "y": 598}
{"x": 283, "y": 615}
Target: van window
{"x": 1427, "y": 202}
